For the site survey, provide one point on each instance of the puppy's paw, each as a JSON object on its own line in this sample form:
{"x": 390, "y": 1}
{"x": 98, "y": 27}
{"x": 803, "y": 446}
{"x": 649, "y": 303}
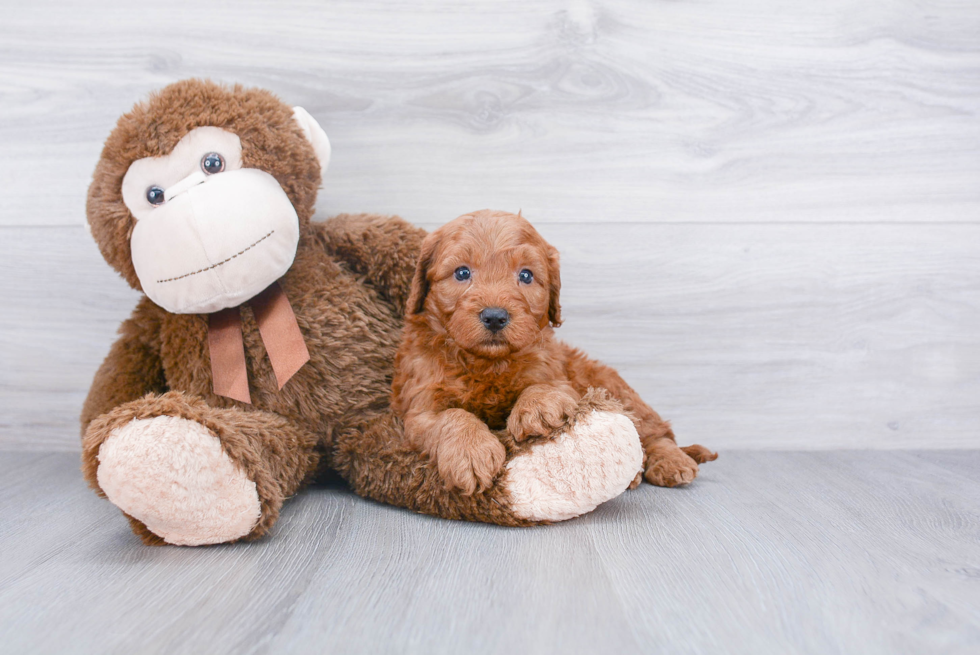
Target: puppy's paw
{"x": 540, "y": 411}
{"x": 671, "y": 469}
{"x": 470, "y": 459}
{"x": 699, "y": 453}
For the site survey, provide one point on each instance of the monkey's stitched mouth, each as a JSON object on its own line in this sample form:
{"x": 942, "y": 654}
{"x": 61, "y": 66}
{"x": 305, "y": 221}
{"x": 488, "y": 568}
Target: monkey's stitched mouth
{"x": 204, "y": 270}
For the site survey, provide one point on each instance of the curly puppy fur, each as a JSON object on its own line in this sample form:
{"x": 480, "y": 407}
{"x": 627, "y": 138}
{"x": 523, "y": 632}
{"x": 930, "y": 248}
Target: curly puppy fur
{"x": 478, "y": 354}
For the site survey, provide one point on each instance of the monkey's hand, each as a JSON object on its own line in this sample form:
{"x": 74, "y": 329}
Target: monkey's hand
{"x": 132, "y": 368}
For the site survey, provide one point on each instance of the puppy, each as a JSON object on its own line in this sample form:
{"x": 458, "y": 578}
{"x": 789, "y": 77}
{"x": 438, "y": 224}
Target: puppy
{"x": 478, "y": 353}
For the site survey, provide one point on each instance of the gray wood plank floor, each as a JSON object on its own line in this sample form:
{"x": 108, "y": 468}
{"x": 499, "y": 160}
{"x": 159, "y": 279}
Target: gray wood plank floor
{"x": 835, "y": 552}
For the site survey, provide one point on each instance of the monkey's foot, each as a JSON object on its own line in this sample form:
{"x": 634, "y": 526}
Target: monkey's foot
{"x": 594, "y": 461}
{"x": 172, "y": 474}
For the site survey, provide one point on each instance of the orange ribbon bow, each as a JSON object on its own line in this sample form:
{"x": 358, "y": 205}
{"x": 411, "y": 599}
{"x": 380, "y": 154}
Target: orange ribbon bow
{"x": 280, "y": 334}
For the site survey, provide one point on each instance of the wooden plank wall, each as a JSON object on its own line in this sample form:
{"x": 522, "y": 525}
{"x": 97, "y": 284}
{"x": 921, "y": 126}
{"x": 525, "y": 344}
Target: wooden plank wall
{"x": 769, "y": 212}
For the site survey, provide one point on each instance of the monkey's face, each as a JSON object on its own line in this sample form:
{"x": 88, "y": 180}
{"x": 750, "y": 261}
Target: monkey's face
{"x": 209, "y": 233}
{"x": 202, "y": 192}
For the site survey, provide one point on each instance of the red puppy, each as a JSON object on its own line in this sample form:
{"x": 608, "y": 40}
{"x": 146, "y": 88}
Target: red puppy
{"x": 478, "y": 353}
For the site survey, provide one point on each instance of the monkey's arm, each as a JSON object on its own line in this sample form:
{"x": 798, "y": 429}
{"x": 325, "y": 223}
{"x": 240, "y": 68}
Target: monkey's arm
{"x": 132, "y": 368}
{"x": 383, "y": 249}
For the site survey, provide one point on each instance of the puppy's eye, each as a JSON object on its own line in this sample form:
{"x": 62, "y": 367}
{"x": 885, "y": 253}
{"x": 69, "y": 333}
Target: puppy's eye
{"x": 154, "y": 195}
{"x": 462, "y": 273}
{"x": 212, "y": 163}
{"x": 526, "y": 276}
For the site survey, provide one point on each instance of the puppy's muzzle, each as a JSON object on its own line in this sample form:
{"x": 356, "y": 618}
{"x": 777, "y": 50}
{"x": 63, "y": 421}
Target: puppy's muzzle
{"x": 494, "y": 319}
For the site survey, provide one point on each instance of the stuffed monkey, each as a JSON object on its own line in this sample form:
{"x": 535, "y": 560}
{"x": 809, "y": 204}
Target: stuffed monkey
{"x": 262, "y": 348}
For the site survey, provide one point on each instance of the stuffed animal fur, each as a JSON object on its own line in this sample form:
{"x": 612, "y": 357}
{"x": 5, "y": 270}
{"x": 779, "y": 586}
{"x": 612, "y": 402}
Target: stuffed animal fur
{"x": 203, "y": 199}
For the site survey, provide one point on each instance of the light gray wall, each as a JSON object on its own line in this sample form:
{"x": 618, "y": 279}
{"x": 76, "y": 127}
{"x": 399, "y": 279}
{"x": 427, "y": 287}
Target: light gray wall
{"x": 769, "y": 212}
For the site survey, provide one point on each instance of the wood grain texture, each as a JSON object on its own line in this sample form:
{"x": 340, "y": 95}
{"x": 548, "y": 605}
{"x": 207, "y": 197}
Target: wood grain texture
{"x": 858, "y": 552}
{"x": 577, "y": 111}
{"x": 768, "y": 211}
{"x": 763, "y": 336}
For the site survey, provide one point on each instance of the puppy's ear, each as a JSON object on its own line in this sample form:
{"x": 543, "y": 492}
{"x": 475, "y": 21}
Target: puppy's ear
{"x": 420, "y": 282}
{"x": 554, "y": 287}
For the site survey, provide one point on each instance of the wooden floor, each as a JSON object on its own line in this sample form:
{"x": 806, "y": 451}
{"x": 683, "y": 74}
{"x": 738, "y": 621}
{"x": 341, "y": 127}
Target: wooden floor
{"x": 834, "y": 552}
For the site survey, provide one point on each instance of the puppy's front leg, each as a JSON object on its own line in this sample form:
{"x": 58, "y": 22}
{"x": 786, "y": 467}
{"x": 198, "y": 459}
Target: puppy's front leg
{"x": 467, "y": 455}
{"x": 541, "y": 410}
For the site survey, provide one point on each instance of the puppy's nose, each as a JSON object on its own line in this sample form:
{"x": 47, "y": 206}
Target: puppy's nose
{"x": 494, "y": 318}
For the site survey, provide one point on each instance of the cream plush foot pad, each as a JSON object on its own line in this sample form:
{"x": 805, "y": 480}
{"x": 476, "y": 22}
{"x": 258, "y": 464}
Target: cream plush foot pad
{"x": 171, "y": 474}
{"x": 577, "y": 471}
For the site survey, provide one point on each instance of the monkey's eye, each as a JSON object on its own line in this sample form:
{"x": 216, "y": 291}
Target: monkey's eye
{"x": 212, "y": 163}
{"x": 462, "y": 273}
{"x": 154, "y": 195}
{"x": 526, "y": 276}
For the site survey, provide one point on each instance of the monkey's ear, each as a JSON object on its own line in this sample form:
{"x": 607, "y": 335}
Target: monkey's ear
{"x": 316, "y": 136}
{"x": 420, "y": 282}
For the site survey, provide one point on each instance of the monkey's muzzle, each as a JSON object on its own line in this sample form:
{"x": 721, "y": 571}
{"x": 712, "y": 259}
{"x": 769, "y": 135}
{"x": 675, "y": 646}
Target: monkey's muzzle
{"x": 216, "y": 243}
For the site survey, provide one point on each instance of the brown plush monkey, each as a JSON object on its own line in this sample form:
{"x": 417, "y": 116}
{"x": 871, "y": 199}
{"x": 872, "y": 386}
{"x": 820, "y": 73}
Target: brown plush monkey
{"x": 263, "y": 347}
